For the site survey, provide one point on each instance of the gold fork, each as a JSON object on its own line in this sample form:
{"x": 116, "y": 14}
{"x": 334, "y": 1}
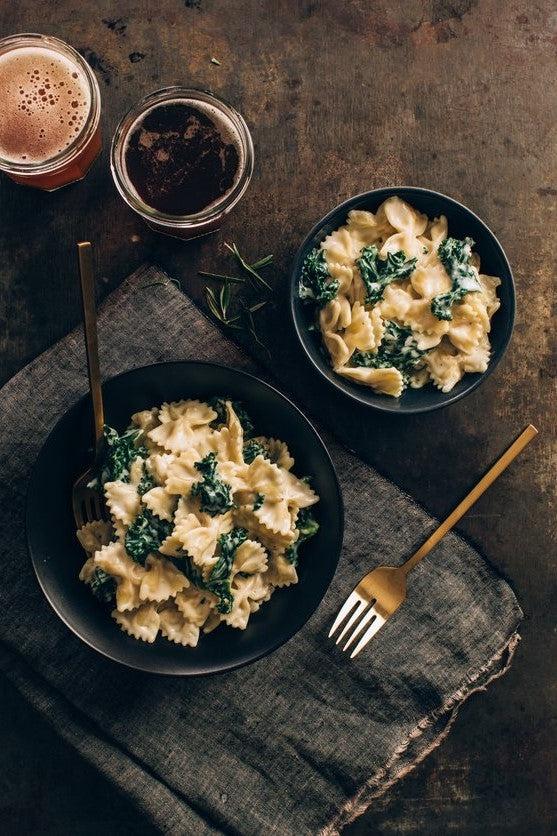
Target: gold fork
{"x": 381, "y": 592}
{"x": 86, "y": 501}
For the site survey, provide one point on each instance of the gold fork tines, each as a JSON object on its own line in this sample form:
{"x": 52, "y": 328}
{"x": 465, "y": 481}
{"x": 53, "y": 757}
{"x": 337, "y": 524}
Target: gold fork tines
{"x": 381, "y": 592}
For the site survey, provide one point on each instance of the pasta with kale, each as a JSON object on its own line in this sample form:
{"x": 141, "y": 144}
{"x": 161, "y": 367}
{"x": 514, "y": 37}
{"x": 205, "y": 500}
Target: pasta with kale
{"x": 206, "y": 521}
{"x": 398, "y": 302}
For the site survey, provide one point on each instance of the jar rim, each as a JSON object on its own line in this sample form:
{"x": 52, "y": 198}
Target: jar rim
{"x": 60, "y": 160}
{"x": 129, "y": 193}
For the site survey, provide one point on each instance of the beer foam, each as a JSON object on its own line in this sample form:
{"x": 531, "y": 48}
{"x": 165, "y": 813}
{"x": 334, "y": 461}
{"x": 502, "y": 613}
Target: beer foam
{"x": 46, "y": 100}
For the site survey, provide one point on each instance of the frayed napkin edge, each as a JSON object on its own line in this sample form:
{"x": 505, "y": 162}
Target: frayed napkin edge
{"x": 381, "y": 781}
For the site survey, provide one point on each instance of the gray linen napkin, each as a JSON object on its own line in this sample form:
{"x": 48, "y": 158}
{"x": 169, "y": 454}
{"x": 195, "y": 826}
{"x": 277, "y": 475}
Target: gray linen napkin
{"x": 301, "y": 741}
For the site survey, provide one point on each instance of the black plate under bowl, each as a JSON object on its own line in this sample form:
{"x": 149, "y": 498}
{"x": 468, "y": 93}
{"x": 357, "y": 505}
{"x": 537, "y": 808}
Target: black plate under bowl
{"x": 462, "y": 222}
{"x": 57, "y": 555}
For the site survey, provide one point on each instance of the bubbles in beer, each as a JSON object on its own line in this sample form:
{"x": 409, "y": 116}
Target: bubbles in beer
{"x": 46, "y": 101}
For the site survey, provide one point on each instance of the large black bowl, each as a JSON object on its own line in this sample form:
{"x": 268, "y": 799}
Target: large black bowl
{"x": 462, "y": 222}
{"x": 57, "y": 555}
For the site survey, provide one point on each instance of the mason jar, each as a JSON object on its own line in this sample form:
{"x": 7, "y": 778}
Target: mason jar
{"x": 49, "y": 135}
{"x": 197, "y": 220}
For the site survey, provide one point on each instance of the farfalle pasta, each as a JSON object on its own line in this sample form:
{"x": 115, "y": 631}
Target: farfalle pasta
{"x": 398, "y": 302}
{"x": 206, "y": 521}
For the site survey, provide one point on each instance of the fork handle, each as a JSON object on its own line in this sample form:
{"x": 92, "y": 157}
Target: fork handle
{"x": 492, "y": 474}
{"x": 86, "y": 276}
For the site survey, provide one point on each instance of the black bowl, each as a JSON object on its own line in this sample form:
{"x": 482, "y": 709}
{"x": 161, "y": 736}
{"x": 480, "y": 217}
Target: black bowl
{"x": 462, "y": 222}
{"x": 57, "y": 556}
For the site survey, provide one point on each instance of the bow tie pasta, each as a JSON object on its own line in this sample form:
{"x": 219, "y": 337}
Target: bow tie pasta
{"x": 398, "y": 302}
{"x": 206, "y": 521}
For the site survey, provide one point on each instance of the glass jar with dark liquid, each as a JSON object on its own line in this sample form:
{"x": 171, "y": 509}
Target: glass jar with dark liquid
{"x": 182, "y": 159}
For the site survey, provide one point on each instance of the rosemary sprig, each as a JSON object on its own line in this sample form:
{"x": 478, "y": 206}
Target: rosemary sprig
{"x": 263, "y": 262}
{"x": 219, "y": 306}
{"x": 256, "y": 277}
{"x": 221, "y": 277}
{"x": 248, "y": 314}
{"x": 220, "y": 302}
{"x": 159, "y": 283}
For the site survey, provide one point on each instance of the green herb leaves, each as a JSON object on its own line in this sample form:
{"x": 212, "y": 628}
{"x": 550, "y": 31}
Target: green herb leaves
{"x": 237, "y": 312}
{"x": 316, "y": 284}
{"x": 145, "y": 535}
{"x": 307, "y": 525}
{"x": 120, "y": 451}
{"x": 398, "y": 348}
{"x": 455, "y": 255}
{"x": 377, "y": 273}
{"x": 215, "y": 496}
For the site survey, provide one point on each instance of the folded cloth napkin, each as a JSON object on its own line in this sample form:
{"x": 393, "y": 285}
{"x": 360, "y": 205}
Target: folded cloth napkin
{"x": 303, "y": 740}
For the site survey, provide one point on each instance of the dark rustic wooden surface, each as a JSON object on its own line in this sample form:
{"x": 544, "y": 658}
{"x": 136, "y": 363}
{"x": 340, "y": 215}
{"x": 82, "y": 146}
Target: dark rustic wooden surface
{"x": 458, "y": 95}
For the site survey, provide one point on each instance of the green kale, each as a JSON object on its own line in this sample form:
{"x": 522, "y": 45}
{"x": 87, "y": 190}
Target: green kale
{"x": 307, "y": 526}
{"x": 218, "y": 582}
{"x": 185, "y": 564}
{"x": 102, "y": 585}
{"x": 220, "y": 577}
{"x": 146, "y": 483}
{"x": 243, "y": 418}
{"x": 215, "y": 496}
{"x": 219, "y": 405}
{"x": 398, "y": 348}
{"x": 145, "y": 535}
{"x": 455, "y": 255}
{"x": 377, "y": 272}
{"x": 316, "y": 284}
{"x": 259, "y": 500}
{"x": 252, "y": 449}
{"x": 119, "y": 453}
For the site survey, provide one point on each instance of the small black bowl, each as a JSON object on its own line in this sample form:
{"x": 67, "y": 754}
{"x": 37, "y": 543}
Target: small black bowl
{"x": 57, "y": 556}
{"x": 462, "y": 222}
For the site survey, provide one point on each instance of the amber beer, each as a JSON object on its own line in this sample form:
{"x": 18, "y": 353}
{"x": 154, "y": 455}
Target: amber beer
{"x": 50, "y": 114}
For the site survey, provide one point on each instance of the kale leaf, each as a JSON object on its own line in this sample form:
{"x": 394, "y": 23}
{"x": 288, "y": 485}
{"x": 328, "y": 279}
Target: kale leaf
{"x": 146, "y": 483}
{"x": 219, "y": 579}
{"x": 218, "y": 403}
{"x": 145, "y": 535}
{"x": 252, "y": 449}
{"x": 102, "y": 585}
{"x": 185, "y": 564}
{"x": 307, "y": 526}
{"x": 259, "y": 500}
{"x": 315, "y": 283}
{"x": 119, "y": 453}
{"x": 377, "y": 272}
{"x": 398, "y": 348}
{"x": 455, "y": 255}
{"x": 214, "y": 495}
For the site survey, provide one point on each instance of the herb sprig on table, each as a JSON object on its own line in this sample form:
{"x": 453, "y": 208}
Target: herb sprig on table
{"x": 236, "y": 310}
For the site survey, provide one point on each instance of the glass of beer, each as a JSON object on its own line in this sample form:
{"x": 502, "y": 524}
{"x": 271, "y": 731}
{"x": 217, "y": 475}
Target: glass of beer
{"x": 182, "y": 159}
{"x": 51, "y": 106}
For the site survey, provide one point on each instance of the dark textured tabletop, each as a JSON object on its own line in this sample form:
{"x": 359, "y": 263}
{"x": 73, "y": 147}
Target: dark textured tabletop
{"x": 456, "y": 95}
